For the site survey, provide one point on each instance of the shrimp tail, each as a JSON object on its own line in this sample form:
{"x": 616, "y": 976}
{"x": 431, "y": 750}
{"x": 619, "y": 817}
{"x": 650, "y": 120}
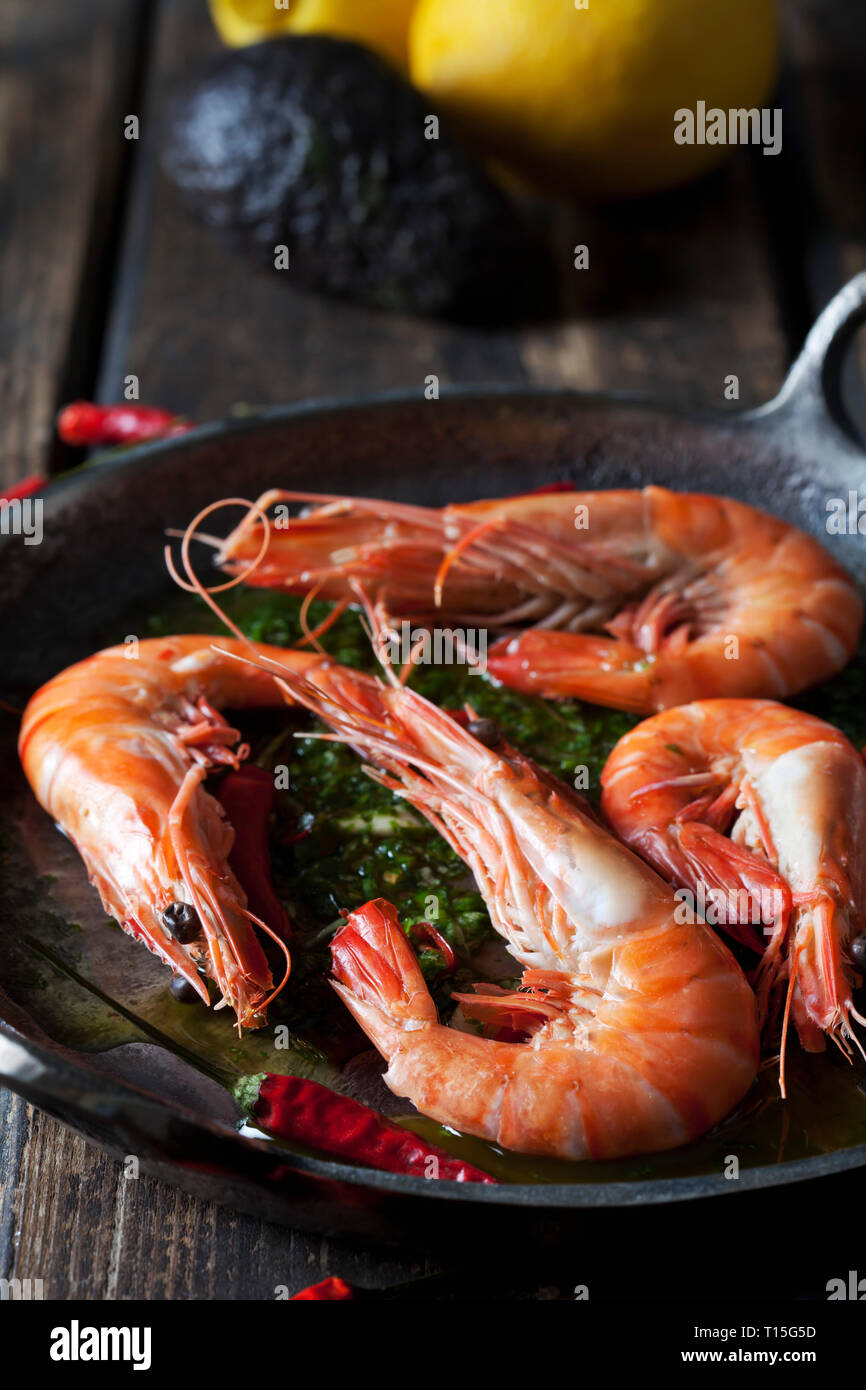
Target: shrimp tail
{"x": 377, "y": 975}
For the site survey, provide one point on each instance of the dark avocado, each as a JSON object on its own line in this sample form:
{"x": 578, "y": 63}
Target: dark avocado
{"x": 317, "y": 145}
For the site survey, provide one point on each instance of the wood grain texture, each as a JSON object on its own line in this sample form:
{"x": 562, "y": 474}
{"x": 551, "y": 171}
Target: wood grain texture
{"x": 69, "y": 1217}
{"x": 676, "y": 298}
{"x": 827, "y": 47}
{"x": 205, "y": 332}
{"x": 682, "y": 290}
{"x": 826, "y": 44}
{"x": 63, "y": 71}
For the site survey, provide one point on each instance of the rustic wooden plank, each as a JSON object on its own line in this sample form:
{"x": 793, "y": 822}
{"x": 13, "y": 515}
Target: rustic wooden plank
{"x": 60, "y": 1196}
{"x": 678, "y": 296}
{"x": 64, "y": 71}
{"x": 204, "y": 331}
{"x": 70, "y": 1218}
{"x": 13, "y": 1130}
{"x": 826, "y": 45}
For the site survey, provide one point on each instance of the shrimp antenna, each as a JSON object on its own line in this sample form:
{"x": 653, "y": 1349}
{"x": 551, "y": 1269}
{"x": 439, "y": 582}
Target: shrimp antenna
{"x": 456, "y": 551}
{"x": 178, "y": 533}
{"x": 312, "y": 635}
{"x": 374, "y": 629}
{"x": 257, "y": 921}
{"x": 192, "y": 584}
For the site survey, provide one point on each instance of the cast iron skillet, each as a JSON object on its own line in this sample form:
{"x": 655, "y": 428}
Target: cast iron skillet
{"x": 101, "y": 558}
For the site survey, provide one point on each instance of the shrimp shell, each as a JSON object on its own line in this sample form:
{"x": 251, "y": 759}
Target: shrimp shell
{"x": 790, "y": 791}
{"x": 116, "y": 749}
{"x": 639, "y": 600}
{"x": 643, "y": 1031}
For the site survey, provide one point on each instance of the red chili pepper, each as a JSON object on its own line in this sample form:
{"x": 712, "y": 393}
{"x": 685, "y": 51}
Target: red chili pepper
{"x": 509, "y": 1035}
{"x": 300, "y": 832}
{"x": 330, "y": 1289}
{"x": 247, "y": 797}
{"x": 83, "y": 422}
{"x": 304, "y": 1112}
{"x": 24, "y": 488}
{"x": 441, "y": 944}
{"x": 550, "y": 487}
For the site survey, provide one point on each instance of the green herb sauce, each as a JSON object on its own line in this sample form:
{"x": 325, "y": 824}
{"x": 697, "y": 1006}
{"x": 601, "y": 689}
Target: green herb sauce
{"x": 360, "y": 841}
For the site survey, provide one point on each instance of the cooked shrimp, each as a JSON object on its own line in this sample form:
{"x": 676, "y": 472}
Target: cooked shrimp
{"x": 790, "y": 791}
{"x": 116, "y": 749}
{"x": 643, "y": 1031}
{"x": 637, "y": 600}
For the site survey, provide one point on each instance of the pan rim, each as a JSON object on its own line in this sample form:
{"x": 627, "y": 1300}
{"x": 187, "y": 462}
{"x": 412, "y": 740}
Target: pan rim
{"x": 119, "y": 458}
{"x": 576, "y": 1195}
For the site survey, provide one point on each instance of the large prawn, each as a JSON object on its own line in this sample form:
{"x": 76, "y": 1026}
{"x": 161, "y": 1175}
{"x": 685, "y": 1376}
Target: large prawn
{"x": 117, "y": 748}
{"x": 642, "y": 1032}
{"x": 760, "y": 810}
{"x": 635, "y": 599}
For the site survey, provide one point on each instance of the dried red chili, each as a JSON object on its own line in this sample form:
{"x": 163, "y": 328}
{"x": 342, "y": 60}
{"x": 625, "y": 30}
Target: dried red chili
{"x": 247, "y": 796}
{"x": 302, "y": 830}
{"x": 25, "y": 488}
{"x": 83, "y": 422}
{"x": 330, "y": 1290}
{"x": 303, "y": 1112}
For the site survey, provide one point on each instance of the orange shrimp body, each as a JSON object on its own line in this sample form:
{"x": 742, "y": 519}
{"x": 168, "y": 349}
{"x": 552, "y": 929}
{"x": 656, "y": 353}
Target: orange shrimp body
{"x": 642, "y": 1032}
{"x": 639, "y": 600}
{"x": 116, "y": 749}
{"x": 790, "y": 792}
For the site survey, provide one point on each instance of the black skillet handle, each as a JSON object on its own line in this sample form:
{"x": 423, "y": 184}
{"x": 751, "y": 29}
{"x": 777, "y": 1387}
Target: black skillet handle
{"x": 811, "y": 397}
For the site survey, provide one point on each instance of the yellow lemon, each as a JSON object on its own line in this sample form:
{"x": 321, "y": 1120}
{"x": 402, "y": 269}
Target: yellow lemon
{"x": 380, "y": 24}
{"x": 583, "y": 95}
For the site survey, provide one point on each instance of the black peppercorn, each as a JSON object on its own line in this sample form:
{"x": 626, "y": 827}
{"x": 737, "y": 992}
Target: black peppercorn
{"x": 181, "y": 990}
{"x": 487, "y": 731}
{"x": 182, "y": 922}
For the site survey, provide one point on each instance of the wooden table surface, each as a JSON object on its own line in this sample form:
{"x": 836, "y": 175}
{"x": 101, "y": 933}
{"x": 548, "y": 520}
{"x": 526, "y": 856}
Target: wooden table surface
{"x": 102, "y": 275}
